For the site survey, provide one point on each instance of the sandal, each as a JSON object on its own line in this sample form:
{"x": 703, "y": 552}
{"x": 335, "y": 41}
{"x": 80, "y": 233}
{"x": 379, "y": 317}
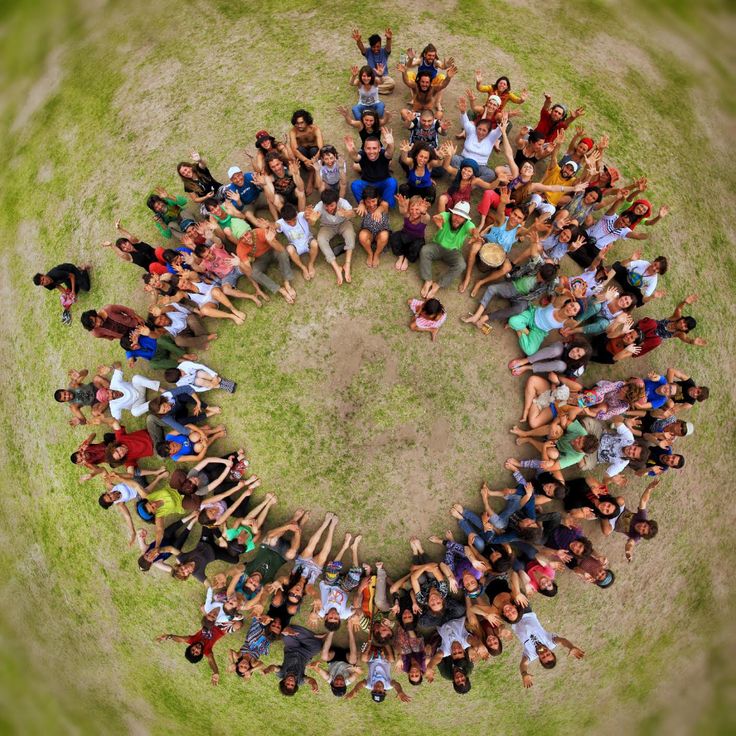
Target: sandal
{"x": 486, "y": 328}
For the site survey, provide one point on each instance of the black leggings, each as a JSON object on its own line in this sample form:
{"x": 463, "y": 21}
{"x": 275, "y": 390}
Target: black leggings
{"x": 175, "y": 535}
{"x": 404, "y": 245}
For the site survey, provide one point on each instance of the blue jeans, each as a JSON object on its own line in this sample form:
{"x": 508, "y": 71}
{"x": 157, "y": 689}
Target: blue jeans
{"x": 386, "y": 189}
{"x": 471, "y": 523}
{"x": 379, "y": 107}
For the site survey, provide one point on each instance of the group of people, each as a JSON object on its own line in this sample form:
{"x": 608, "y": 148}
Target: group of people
{"x": 464, "y": 602}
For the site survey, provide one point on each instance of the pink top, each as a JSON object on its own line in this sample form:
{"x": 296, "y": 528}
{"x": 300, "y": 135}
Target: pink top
{"x": 422, "y": 322}
{"x": 532, "y": 567}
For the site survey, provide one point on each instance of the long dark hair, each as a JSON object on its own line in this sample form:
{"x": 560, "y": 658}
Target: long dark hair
{"x": 577, "y": 342}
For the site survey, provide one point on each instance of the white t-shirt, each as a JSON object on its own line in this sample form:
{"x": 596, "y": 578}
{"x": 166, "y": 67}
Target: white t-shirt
{"x": 529, "y": 632}
{"x": 178, "y": 316}
{"x": 368, "y": 97}
{"x": 133, "y": 398}
{"x": 478, "y": 151}
{"x": 326, "y": 218}
{"x": 605, "y": 233}
{"x": 189, "y": 368}
{"x": 587, "y": 279}
{"x": 126, "y": 492}
{"x": 298, "y": 234}
{"x": 333, "y": 596}
{"x": 627, "y": 438}
{"x": 647, "y": 284}
{"x": 379, "y": 670}
{"x": 453, "y": 630}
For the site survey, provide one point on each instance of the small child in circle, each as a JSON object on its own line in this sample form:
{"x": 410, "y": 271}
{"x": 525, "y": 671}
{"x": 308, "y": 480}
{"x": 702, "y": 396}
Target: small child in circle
{"x": 429, "y": 316}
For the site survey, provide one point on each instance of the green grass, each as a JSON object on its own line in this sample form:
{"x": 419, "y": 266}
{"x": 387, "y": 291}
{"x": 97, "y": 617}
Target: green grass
{"x": 138, "y": 85}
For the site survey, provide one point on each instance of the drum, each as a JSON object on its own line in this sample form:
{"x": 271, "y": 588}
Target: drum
{"x": 492, "y": 255}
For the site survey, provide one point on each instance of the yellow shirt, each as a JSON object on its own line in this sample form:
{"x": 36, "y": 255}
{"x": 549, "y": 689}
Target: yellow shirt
{"x": 554, "y": 178}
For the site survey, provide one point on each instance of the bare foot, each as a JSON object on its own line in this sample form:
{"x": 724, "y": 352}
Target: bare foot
{"x": 433, "y": 290}
{"x": 469, "y": 320}
{"x": 462, "y": 287}
{"x": 518, "y": 432}
{"x": 357, "y": 540}
{"x": 456, "y": 511}
{"x": 474, "y": 291}
{"x": 348, "y": 276}
{"x": 434, "y": 539}
{"x": 426, "y": 286}
{"x": 405, "y": 265}
{"x": 338, "y": 275}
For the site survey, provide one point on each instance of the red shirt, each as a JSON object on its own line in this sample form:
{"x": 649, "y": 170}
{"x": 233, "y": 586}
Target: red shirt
{"x": 651, "y": 339}
{"x": 208, "y": 638}
{"x": 548, "y": 127}
{"x": 139, "y": 444}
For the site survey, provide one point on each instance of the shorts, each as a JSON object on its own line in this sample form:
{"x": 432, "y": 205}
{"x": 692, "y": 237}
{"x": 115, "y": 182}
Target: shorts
{"x": 308, "y": 569}
{"x": 348, "y": 581}
{"x": 303, "y": 248}
{"x": 232, "y": 278}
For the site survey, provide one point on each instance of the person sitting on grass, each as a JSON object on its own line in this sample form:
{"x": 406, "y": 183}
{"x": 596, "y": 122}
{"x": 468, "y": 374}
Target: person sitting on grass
{"x": 376, "y": 54}
{"x": 429, "y": 316}
{"x": 425, "y": 95}
{"x": 341, "y": 664}
{"x": 202, "y": 643}
{"x": 300, "y": 647}
{"x": 520, "y": 292}
{"x": 80, "y": 394}
{"x": 407, "y": 243}
{"x": 374, "y": 228}
{"x": 199, "y": 376}
{"x": 190, "y": 448}
{"x": 334, "y": 214}
{"x": 455, "y": 227}
{"x": 367, "y": 81}
{"x": 417, "y": 160}
{"x": 429, "y": 63}
{"x": 167, "y": 213}
{"x": 295, "y": 226}
{"x": 537, "y": 642}
{"x": 378, "y": 680}
{"x": 330, "y": 172}
{"x": 374, "y": 162}
{"x": 305, "y": 141}
{"x": 534, "y": 324}
{"x": 130, "y": 249}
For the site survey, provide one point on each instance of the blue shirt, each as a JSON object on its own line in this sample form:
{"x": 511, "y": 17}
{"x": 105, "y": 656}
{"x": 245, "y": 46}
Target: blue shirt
{"x": 380, "y": 58}
{"x": 248, "y": 192}
{"x": 146, "y": 348}
{"x": 656, "y": 400}
{"x": 499, "y": 234}
{"x": 186, "y": 446}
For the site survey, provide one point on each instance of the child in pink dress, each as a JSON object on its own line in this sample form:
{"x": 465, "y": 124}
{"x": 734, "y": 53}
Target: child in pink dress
{"x": 429, "y": 316}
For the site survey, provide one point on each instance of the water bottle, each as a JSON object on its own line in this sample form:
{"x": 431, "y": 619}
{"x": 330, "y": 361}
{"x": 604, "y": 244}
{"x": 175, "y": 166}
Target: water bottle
{"x": 403, "y": 57}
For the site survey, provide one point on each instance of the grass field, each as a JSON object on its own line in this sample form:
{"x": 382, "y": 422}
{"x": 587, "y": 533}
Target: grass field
{"x": 339, "y": 406}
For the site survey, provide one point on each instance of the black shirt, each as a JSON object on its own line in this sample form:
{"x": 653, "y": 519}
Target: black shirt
{"x": 374, "y": 170}
{"x": 143, "y": 255}
{"x": 682, "y": 396}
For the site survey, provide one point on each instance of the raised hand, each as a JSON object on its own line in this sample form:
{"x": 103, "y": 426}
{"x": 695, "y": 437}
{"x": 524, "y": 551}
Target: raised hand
{"x": 405, "y": 147}
{"x": 354, "y": 70}
{"x": 401, "y": 68}
{"x": 691, "y": 299}
{"x": 379, "y": 69}
{"x": 478, "y": 76}
{"x": 388, "y": 136}
{"x": 356, "y": 35}
{"x": 664, "y": 210}
{"x": 389, "y": 34}
{"x": 451, "y": 71}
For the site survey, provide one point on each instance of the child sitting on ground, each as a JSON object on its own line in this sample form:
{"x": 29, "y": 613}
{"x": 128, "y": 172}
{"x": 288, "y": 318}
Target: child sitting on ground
{"x": 198, "y": 376}
{"x": 295, "y": 227}
{"x": 429, "y": 316}
{"x": 330, "y": 172}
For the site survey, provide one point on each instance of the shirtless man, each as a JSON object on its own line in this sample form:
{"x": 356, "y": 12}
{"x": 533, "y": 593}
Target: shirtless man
{"x": 424, "y": 95}
{"x": 305, "y": 141}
